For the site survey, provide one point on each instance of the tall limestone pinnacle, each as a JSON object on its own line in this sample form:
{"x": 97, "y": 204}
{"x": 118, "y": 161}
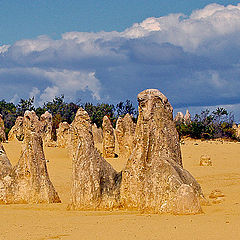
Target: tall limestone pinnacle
{"x": 95, "y": 182}
{"x": 63, "y": 135}
{"x": 18, "y": 125}
{"x": 97, "y": 134}
{"x": 2, "y": 130}
{"x": 154, "y": 179}
{"x": 46, "y": 129}
{"x": 28, "y": 181}
{"x": 187, "y": 117}
{"x": 108, "y": 138}
{"x": 125, "y": 130}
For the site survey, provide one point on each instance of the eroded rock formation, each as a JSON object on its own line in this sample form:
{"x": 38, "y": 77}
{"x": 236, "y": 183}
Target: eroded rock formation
{"x": 125, "y": 130}
{"x": 46, "y": 129}
{"x": 2, "y": 130}
{"x": 28, "y": 181}
{"x": 187, "y": 117}
{"x": 179, "y": 118}
{"x": 154, "y": 179}
{"x": 108, "y": 138}
{"x": 95, "y": 182}
{"x": 205, "y": 160}
{"x": 63, "y": 135}
{"x": 237, "y": 130}
{"x": 97, "y": 135}
{"x": 18, "y": 124}
{"x": 5, "y": 165}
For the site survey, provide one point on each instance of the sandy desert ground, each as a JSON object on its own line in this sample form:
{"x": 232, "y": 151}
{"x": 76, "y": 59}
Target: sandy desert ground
{"x": 220, "y": 220}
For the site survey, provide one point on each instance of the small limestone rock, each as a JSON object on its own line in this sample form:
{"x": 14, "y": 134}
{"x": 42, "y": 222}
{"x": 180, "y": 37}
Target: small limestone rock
{"x": 2, "y": 130}
{"x": 108, "y": 138}
{"x": 218, "y": 200}
{"x": 216, "y": 194}
{"x": 205, "y": 160}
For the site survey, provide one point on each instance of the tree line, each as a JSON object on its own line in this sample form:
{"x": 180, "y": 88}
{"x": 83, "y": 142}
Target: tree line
{"x": 65, "y": 112}
{"x": 206, "y": 125}
{"x": 209, "y": 125}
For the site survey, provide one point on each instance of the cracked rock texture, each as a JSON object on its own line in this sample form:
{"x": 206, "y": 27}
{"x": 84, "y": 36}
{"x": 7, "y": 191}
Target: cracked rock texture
{"x": 125, "y": 130}
{"x": 46, "y": 129}
{"x": 108, "y": 138}
{"x": 97, "y": 134}
{"x": 2, "y": 130}
{"x": 179, "y": 118}
{"x": 187, "y": 117}
{"x": 154, "y": 180}
{"x": 18, "y": 124}
{"x": 63, "y": 135}
{"x": 96, "y": 184}
{"x": 28, "y": 181}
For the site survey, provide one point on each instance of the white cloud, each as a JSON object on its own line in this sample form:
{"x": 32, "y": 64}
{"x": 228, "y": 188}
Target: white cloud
{"x": 192, "y": 59}
{"x": 34, "y": 93}
{"x": 4, "y": 48}
{"x": 40, "y": 44}
{"x": 72, "y": 81}
{"x": 59, "y": 81}
{"x": 49, "y": 94}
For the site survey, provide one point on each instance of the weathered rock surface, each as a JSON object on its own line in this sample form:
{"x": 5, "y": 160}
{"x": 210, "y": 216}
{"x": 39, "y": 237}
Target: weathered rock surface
{"x": 97, "y": 134}
{"x": 108, "y": 138}
{"x": 217, "y": 196}
{"x": 179, "y": 118}
{"x": 2, "y": 130}
{"x": 125, "y": 130}
{"x": 154, "y": 179}
{"x": 28, "y": 181}
{"x": 205, "y": 160}
{"x": 187, "y": 117}
{"x": 63, "y": 135}
{"x": 5, "y": 165}
{"x": 237, "y": 130}
{"x": 46, "y": 129}
{"x": 18, "y": 124}
{"x": 95, "y": 182}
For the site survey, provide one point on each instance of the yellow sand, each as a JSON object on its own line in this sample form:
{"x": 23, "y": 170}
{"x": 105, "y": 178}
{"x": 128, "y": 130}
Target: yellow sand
{"x": 219, "y": 221}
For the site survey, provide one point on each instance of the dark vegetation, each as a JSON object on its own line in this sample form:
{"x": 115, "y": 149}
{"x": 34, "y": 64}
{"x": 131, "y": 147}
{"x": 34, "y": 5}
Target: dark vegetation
{"x": 207, "y": 125}
{"x": 63, "y": 111}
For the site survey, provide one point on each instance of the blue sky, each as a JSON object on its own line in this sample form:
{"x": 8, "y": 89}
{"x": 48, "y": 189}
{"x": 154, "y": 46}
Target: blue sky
{"x": 21, "y": 19}
{"x": 111, "y": 50}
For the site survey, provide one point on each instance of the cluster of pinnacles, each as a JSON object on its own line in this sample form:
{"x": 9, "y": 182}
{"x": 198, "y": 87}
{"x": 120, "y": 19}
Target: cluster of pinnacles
{"x": 152, "y": 181}
{"x": 28, "y": 181}
{"x": 183, "y": 118}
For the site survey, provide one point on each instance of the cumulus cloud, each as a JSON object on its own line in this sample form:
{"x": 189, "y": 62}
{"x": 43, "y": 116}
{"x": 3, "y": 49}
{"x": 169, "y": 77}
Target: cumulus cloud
{"x": 4, "y": 48}
{"x": 71, "y": 82}
{"x": 34, "y": 93}
{"x": 193, "y": 59}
